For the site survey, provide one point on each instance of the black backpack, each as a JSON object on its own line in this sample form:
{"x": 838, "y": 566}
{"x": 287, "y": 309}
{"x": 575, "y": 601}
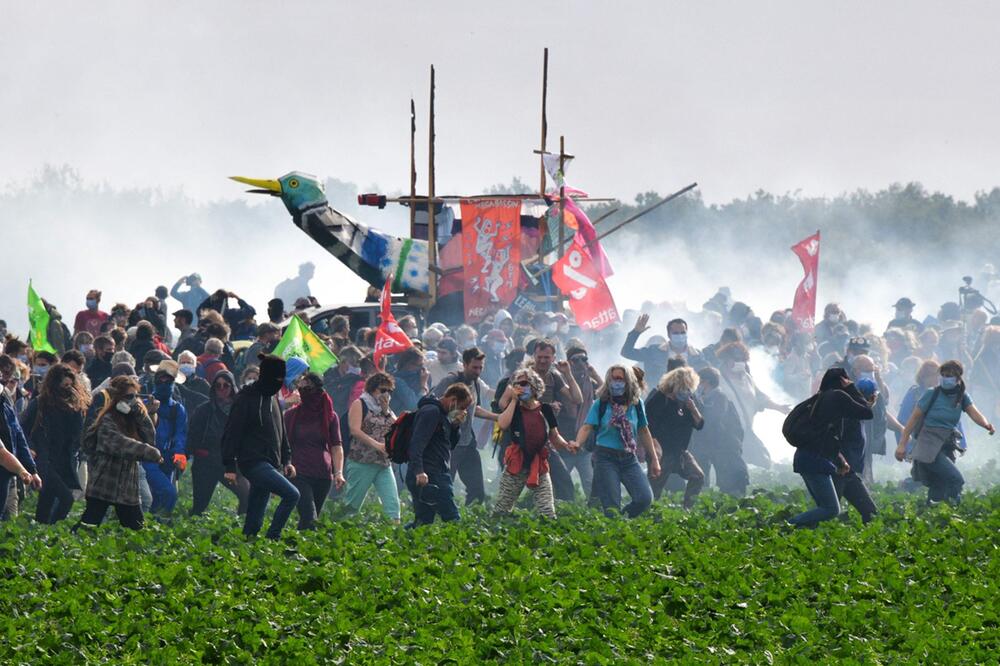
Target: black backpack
{"x": 801, "y": 429}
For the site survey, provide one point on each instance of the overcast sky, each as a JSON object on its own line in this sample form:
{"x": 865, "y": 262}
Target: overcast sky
{"x": 821, "y": 97}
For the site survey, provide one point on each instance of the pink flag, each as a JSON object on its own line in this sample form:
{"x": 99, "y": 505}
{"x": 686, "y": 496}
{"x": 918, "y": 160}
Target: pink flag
{"x": 586, "y": 238}
{"x": 804, "y": 305}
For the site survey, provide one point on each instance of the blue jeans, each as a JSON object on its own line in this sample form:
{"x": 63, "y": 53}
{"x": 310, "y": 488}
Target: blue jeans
{"x": 161, "y": 484}
{"x": 614, "y": 469}
{"x": 265, "y": 479}
{"x": 434, "y": 499}
{"x": 944, "y": 481}
{"x": 824, "y": 493}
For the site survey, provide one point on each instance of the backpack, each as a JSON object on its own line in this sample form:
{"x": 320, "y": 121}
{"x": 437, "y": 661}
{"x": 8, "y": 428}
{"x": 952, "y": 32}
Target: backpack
{"x": 800, "y": 429}
{"x": 397, "y": 440}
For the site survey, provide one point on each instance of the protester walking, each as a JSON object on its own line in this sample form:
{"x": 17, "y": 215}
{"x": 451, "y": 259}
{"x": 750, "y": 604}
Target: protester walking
{"x": 205, "y": 445}
{"x": 673, "y": 416}
{"x": 367, "y": 464}
{"x": 256, "y": 442}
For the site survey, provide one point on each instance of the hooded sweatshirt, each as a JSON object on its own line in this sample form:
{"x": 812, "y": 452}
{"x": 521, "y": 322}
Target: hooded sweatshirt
{"x": 255, "y": 431}
{"x": 208, "y": 424}
{"x": 432, "y": 439}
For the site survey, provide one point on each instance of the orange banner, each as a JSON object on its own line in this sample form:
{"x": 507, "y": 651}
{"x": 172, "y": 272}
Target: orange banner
{"x": 491, "y": 255}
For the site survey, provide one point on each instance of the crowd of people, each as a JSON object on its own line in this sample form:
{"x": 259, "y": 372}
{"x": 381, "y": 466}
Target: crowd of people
{"x": 122, "y": 405}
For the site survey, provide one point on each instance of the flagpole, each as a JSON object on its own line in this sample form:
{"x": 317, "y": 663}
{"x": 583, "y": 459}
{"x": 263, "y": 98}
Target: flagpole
{"x": 413, "y": 167}
{"x": 431, "y": 221}
{"x": 545, "y": 122}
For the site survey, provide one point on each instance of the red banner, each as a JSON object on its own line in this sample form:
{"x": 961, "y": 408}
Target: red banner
{"x": 390, "y": 338}
{"x": 589, "y": 297}
{"x": 804, "y": 306}
{"x": 491, "y": 255}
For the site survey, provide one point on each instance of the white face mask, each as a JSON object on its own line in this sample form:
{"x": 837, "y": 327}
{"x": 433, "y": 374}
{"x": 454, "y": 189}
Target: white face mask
{"x": 456, "y": 416}
{"x": 739, "y": 366}
{"x": 124, "y": 407}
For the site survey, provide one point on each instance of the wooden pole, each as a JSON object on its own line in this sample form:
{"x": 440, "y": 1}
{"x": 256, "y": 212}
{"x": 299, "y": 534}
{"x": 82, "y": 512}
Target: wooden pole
{"x": 562, "y": 194}
{"x": 431, "y": 227}
{"x": 545, "y": 122}
{"x": 413, "y": 166}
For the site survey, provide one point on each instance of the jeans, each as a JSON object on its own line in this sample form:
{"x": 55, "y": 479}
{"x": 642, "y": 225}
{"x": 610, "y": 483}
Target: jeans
{"x": 361, "y": 477}
{"x": 265, "y": 479}
{"x": 435, "y": 499}
{"x": 944, "y": 480}
{"x": 852, "y": 488}
{"x": 612, "y": 470}
{"x": 466, "y": 463}
{"x": 55, "y": 499}
{"x": 312, "y": 494}
{"x": 580, "y": 461}
{"x": 823, "y": 492}
{"x": 205, "y": 475}
{"x": 128, "y": 515}
{"x": 161, "y": 484}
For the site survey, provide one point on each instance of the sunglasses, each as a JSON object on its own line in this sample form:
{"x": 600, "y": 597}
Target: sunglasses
{"x": 522, "y": 383}
{"x": 129, "y": 396}
{"x": 579, "y": 359}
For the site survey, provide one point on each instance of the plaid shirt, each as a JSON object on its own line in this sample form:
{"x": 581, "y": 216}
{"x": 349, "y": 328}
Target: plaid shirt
{"x": 114, "y": 466}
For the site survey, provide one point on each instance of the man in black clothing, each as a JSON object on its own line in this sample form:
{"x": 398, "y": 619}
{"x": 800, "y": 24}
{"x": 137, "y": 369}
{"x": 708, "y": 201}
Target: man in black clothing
{"x": 720, "y": 443}
{"x": 256, "y": 441}
{"x": 99, "y": 367}
{"x": 435, "y": 433}
{"x": 465, "y": 460}
{"x": 219, "y": 301}
{"x": 904, "y": 316}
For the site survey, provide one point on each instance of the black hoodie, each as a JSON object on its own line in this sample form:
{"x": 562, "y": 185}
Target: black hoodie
{"x": 432, "y": 439}
{"x": 255, "y": 430}
{"x": 208, "y": 423}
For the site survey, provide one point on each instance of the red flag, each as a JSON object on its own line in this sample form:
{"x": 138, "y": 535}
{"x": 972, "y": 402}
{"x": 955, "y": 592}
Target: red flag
{"x": 804, "y": 306}
{"x": 491, "y": 255}
{"x": 390, "y": 338}
{"x": 578, "y": 278}
{"x": 586, "y": 237}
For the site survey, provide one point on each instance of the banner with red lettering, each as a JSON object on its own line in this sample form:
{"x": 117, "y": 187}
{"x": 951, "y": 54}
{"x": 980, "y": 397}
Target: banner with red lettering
{"x": 491, "y": 255}
{"x": 580, "y": 280}
{"x": 390, "y": 338}
{"x": 804, "y": 306}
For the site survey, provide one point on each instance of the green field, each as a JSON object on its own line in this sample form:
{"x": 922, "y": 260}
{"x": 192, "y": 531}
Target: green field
{"x": 726, "y": 583}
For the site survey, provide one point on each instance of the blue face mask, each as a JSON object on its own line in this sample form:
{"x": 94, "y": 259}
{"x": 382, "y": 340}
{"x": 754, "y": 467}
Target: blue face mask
{"x": 617, "y": 388}
{"x": 91, "y": 304}
{"x": 42, "y": 370}
{"x": 526, "y": 394}
{"x": 866, "y": 375}
{"x": 683, "y": 396}
{"x": 163, "y": 391}
{"x": 948, "y": 383}
{"x": 678, "y": 340}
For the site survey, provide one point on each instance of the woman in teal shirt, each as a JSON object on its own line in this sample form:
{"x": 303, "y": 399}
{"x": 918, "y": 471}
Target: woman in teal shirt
{"x": 935, "y": 419}
{"x": 619, "y": 419}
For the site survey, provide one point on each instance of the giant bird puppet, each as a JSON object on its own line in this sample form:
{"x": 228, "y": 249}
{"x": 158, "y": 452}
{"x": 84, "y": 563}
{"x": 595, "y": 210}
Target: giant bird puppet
{"x": 373, "y": 255}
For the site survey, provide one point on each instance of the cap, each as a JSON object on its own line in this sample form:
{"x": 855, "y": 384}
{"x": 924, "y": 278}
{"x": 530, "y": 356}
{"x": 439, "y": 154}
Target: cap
{"x": 170, "y": 367}
{"x": 302, "y": 303}
{"x": 448, "y": 344}
{"x": 867, "y": 386}
{"x": 905, "y": 303}
{"x": 573, "y": 351}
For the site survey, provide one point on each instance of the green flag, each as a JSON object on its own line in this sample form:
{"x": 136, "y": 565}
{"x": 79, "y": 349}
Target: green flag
{"x": 300, "y": 340}
{"x": 38, "y": 317}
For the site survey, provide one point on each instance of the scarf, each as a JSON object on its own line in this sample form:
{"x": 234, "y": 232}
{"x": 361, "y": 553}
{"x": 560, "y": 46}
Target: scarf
{"x": 314, "y": 404}
{"x": 619, "y": 419}
{"x": 374, "y": 406}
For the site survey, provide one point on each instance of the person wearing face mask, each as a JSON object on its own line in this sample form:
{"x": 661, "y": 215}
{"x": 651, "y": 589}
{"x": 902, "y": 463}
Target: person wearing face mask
{"x": 435, "y": 433}
{"x": 719, "y": 444}
{"x": 826, "y": 329}
{"x": 40, "y": 366}
{"x": 99, "y": 368}
{"x": 345, "y": 383}
{"x": 121, "y": 437}
{"x": 933, "y": 424}
{"x": 171, "y": 438}
{"x": 617, "y": 419}
{"x": 92, "y": 317}
{"x": 673, "y": 415}
{"x": 255, "y": 441}
{"x": 204, "y": 441}
{"x": 194, "y": 391}
{"x": 904, "y": 316}
{"x": 411, "y": 378}
{"x": 53, "y": 424}
{"x": 12, "y": 438}
{"x": 370, "y": 419}
{"x": 529, "y": 427}
{"x": 495, "y": 345}
{"x": 572, "y": 417}
{"x": 872, "y": 432}
{"x": 740, "y": 387}
{"x": 466, "y": 462}
{"x": 317, "y": 452}
{"x": 654, "y": 358}
{"x": 83, "y": 342}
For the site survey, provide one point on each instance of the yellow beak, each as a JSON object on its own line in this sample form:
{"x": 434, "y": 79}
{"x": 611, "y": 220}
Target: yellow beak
{"x": 264, "y": 186}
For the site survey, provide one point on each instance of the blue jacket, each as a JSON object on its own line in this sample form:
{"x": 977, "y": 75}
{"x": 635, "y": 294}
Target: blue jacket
{"x": 171, "y": 428}
{"x": 18, "y": 443}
